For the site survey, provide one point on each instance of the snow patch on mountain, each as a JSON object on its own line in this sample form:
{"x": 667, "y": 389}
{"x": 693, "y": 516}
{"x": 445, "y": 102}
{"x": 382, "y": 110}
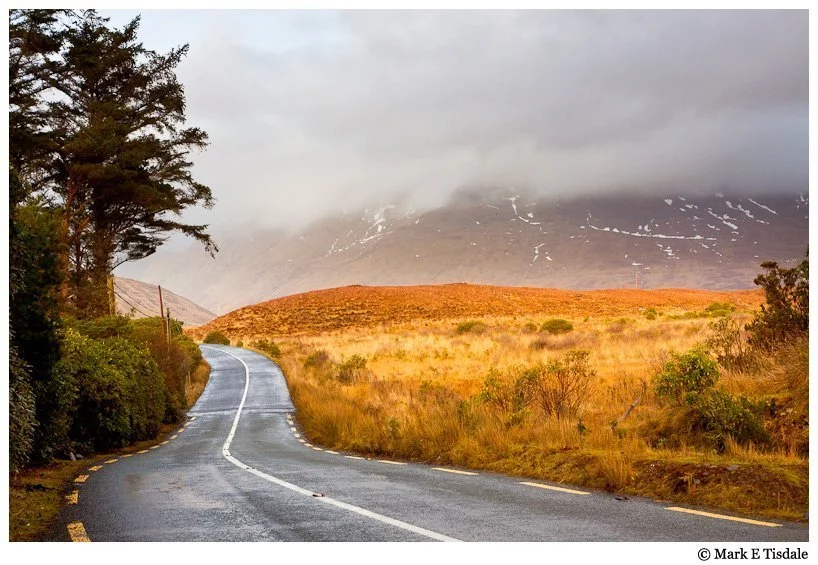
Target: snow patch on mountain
{"x": 763, "y": 207}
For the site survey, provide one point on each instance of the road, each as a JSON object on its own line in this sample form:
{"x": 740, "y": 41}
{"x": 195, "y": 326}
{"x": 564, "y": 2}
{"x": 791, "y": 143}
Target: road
{"x": 238, "y": 470}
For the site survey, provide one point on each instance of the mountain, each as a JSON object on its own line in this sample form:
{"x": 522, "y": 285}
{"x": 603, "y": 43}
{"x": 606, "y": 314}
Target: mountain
{"x": 142, "y": 299}
{"x": 506, "y": 238}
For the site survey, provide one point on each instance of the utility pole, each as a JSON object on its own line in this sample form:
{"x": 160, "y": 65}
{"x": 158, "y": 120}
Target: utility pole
{"x": 162, "y": 312}
{"x": 168, "y": 322}
{"x": 636, "y": 275}
{"x": 111, "y": 299}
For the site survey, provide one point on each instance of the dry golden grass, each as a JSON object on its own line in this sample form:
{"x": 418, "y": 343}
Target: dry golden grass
{"x": 416, "y": 400}
{"x": 197, "y": 383}
{"x": 428, "y": 351}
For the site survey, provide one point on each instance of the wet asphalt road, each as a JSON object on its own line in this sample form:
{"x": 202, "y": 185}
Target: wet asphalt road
{"x": 238, "y": 472}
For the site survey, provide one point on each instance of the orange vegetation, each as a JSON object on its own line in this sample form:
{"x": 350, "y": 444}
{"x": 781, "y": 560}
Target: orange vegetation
{"x": 362, "y": 306}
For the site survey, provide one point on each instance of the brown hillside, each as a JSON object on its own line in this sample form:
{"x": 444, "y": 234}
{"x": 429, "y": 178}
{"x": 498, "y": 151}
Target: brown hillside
{"x": 363, "y": 306}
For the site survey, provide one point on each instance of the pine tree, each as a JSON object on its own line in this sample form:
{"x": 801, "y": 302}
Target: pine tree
{"x": 99, "y": 127}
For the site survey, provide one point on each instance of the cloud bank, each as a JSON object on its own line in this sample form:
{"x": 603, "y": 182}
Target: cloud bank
{"x": 312, "y": 113}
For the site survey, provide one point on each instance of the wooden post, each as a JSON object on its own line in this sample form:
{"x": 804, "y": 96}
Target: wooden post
{"x": 168, "y": 322}
{"x": 111, "y": 297}
{"x": 162, "y": 312}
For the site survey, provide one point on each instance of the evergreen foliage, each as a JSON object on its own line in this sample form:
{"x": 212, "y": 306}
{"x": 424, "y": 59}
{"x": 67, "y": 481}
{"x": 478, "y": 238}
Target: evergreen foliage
{"x": 785, "y": 315}
{"x": 99, "y": 128}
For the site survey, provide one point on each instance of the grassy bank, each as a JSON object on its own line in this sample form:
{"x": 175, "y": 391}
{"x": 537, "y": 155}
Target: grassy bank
{"x": 443, "y": 392}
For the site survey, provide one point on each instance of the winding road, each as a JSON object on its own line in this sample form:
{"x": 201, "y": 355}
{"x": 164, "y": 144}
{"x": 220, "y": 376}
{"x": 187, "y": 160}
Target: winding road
{"x": 239, "y": 470}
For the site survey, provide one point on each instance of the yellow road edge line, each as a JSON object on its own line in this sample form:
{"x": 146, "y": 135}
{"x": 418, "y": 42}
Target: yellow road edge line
{"x": 143, "y": 451}
{"x": 354, "y": 457}
{"x": 302, "y": 440}
{"x": 723, "y": 517}
{"x": 77, "y": 532}
{"x": 193, "y": 418}
{"x": 95, "y": 468}
{"x": 109, "y": 461}
{"x": 559, "y": 489}
{"x": 73, "y": 497}
{"x": 453, "y": 471}
{"x": 390, "y": 462}
{"x": 317, "y": 448}
{"x": 81, "y": 479}
{"x": 126, "y": 455}
{"x": 331, "y": 451}
{"x": 154, "y": 447}
{"x": 174, "y": 436}
{"x": 308, "y": 444}
{"x": 164, "y": 442}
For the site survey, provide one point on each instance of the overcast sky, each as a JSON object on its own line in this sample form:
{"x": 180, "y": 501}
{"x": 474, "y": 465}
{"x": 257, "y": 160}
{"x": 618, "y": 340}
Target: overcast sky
{"x": 310, "y": 113}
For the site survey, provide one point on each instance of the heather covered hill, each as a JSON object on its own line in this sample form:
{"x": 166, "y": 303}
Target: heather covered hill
{"x": 362, "y": 306}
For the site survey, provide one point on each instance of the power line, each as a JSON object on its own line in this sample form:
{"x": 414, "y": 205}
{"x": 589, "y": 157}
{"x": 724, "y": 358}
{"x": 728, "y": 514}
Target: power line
{"x": 130, "y": 304}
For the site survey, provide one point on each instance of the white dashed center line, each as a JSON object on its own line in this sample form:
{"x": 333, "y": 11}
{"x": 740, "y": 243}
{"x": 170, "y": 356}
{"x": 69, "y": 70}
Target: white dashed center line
{"x": 723, "y": 517}
{"x": 559, "y": 489}
{"x": 453, "y": 471}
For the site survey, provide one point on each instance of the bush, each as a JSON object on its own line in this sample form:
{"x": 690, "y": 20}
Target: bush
{"x": 720, "y": 309}
{"x": 558, "y": 388}
{"x": 107, "y": 393}
{"x": 267, "y": 347}
{"x": 470, "y": 326}
{"x": 721, "y": 416}
{"x": 351, "y": 370}
{"x": 216, "y": 337}
{"x": 317, "y": 359}
{"x": 686, "y": 376}
{"x": 530, "y": 327}
{"x": 176, "y": 361}
{"x": 728, "y": 344}
{"x": 786, "y": 313}
{"x": 557, "y": 326}
{"x": 22, "y": 419}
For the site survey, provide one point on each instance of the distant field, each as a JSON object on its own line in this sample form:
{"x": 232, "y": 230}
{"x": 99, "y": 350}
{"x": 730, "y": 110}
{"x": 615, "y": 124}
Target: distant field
{"x": 443, "y": 374}
{"x": 361, "y": 306}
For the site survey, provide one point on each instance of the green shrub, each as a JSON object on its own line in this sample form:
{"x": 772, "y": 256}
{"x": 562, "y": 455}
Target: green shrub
{"x": 721, "y": 416}
{"x": 22, "y": 417}
{"x": 108, "y": 393}
{"x": 317, "y": 359}
{"x": 267, "y": 347}
{"x": 470, "y": 326}
{"x": 785, "y": 315}
{"x": 686, "y": 376}
{"x": 240, "y": 344}
{"x": 720, "y": 309}
{"x": 728, "y": 344}
{"x": 216, "y": 337}
{"x": 557, "y": 326}
{"x": 176, "y": 361}
{"x": 351, "y": 370}
{"x": 558, "y": 388}
{"x": 530, "y": 327}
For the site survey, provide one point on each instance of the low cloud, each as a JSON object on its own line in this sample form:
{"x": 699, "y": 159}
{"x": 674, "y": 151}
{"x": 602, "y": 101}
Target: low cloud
{"x": 312, "y": 113}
